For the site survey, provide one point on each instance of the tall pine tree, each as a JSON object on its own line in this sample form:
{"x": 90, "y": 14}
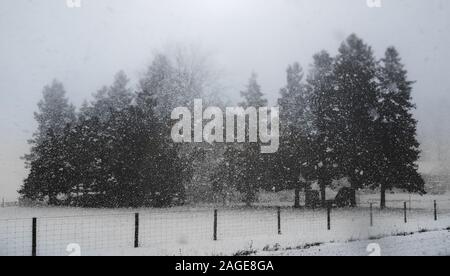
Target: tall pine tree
{"x": 49, "y": 175}
{"x": 295, "y": 160}
{"x": 54, "y": 113}
{"x": 46, "y": 159}
{"x": 249, "y": 164}
{"x": 323, "y": 103}
{"x": 397, "y": 130}
{"x": 357, "y": 90}
{"x": 111, "y": 99}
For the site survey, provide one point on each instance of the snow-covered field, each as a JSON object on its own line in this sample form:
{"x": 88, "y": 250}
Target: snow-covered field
{"x": 435, "y": 243}
{"x": 189, "y": 231}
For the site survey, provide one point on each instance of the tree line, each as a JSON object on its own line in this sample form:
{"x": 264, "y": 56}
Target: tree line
{"x": 351, "y": 116}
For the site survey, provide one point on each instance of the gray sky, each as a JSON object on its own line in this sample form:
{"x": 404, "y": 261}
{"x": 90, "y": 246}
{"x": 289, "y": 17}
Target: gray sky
{"x": 84, "y": 48}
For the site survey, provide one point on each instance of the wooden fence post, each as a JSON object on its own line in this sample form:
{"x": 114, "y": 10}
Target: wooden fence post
{"x": 34, "y": 238}
{"x": 215, "y": 225}
{"x": 136, "y": 230}
{"x": 330, "y": 205}
{"x": 435, "y": 211}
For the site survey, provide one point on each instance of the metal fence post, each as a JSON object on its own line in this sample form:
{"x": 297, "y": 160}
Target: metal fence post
{"x": 435, "y": 211}
{"x": 371, "y": 214}
{"x": 136, "y": 230}
{"x": 405, "y": 213}
{"x": 329, "y": 206}
{"x": 34, "y": 238}
{"x": 215, "y": 225}
{"x": 279, "y": 221}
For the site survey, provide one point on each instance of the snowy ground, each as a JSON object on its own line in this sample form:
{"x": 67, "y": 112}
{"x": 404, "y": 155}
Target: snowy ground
{"x": 182, "y": 231}
{"x": 436, "y": 243}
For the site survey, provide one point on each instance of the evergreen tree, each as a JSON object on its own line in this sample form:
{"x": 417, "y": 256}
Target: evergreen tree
{"x": 115, "y": 154}
{"x": 128, "y": 147}
{"x": 111, "y": 99}
{"x": 252, "y": 95}
{"x": 87, "y": 145}
{"x": 294, "y": 158}
{"x": 247, "y": 165}
{"x": 397, "y": 130}
{"x": 46, "y": 160}
{"x": 164, "y": 185}
{"x": 157, "y": 84}
{"x": 227, "y": 174}
{"x": 322, "y": 99}
{"x": 50, "y": 171}
{"x": 357, "y": 91}
{"x": 54, "y": 113}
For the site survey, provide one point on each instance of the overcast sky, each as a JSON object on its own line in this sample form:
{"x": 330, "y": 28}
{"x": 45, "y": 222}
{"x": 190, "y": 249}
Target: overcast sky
{"x": 84, "y": 47}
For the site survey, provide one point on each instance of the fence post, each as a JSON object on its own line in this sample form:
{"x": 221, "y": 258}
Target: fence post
{"x": 405, "y": 213}
{"x": 34, "y": 238}
{"x": 371, "y": 214}
{"x": 215, "y": 225}
{"x": 136, "y": 230}
{"x": 279, "y": 221}
{"x": 329, "y": 206}
{"x": 435, "y": 211}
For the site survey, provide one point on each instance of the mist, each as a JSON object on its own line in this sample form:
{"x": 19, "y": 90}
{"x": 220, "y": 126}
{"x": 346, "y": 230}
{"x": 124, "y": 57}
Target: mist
{"x": 84, "y": 47}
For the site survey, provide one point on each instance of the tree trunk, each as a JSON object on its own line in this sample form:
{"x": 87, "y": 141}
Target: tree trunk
{"x": 323, "y": 195}
{"x": 297, "y": 198}
{"x": 52, "y": 200}
{"x": 248, "y": 200}
{"x": 383, "y": 197}
{"x": 353, "y": 198}
{"x": 353, "y": 194}
{"x": 308, "y": 199}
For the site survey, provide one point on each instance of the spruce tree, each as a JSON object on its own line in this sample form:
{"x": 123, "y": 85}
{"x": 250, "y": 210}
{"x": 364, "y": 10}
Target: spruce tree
{"x": 86, "y": 143}
{"x": 357, "y": 91}
{"x": 46, "y": 160}
{"x": 158, "y": 84}
{"x": 250, "y": 163}
{"x": 54, "y": 113}
{"x": 163, "y": 185}
{"x": 294, "y": 159}
{"x": 111, "y": 99}
{"x": 50, "y": 172}
{"x": 323, "y": 103}
{"x": 397, "y": 130}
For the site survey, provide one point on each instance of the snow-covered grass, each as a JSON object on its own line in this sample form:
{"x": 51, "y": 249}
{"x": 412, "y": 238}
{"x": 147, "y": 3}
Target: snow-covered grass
{"x": 189, "y": 231}
{"x": 434, "y": 243}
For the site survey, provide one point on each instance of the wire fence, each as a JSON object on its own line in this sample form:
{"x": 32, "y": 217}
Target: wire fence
{"x": 151, "y": 229}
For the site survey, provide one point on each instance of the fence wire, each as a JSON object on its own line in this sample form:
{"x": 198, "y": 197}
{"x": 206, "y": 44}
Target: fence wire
{"x": 103, "y": 234}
